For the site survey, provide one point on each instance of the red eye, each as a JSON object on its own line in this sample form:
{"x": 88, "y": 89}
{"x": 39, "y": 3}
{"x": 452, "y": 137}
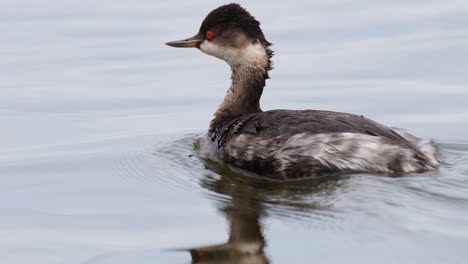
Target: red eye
{"x": 209, "y": 35}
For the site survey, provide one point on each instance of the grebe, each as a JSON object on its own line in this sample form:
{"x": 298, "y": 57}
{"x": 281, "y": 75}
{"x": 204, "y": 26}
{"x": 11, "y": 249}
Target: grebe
{"x": 289, "y": 144}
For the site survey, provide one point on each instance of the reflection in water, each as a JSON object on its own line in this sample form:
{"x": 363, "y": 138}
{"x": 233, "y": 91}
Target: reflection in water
{"x": 246, "y": 201}
{"x": 364, "y": 207}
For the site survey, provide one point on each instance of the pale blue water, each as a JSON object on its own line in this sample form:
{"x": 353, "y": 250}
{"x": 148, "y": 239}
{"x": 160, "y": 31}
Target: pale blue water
{"x": 98, "y": 120}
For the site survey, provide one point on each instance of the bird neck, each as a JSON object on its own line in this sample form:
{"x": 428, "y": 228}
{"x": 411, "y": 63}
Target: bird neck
{"x": 243, "y": 96}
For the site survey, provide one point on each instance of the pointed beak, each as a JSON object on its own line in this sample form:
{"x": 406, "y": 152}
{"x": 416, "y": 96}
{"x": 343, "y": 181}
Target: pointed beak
{"x": 192, "y": 42}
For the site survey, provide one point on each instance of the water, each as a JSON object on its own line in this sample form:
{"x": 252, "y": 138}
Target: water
{"x": 100, "y": 122}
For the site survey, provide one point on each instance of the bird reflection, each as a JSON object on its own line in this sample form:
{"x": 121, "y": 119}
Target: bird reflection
{"x": 247, "y": 201}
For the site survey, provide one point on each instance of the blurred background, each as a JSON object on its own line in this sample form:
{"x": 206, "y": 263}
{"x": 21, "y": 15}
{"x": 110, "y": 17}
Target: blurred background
{"x": 98, "y": 118}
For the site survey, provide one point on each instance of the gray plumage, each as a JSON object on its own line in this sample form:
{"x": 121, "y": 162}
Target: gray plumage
{"x": 285, "y": 144}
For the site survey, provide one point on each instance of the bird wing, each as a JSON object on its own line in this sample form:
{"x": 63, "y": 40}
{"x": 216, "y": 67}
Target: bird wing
{"x": 286, "y": 123}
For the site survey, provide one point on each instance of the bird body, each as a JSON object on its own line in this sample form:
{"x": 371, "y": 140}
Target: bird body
{"x": 291, "y": 144}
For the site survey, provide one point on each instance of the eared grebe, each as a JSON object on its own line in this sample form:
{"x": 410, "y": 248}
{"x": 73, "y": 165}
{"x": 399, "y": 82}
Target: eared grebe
{"x": 288, "y": 144}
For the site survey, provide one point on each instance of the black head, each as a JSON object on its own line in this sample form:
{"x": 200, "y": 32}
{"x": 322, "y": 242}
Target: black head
{"x": 232, "y": 18}
{"x": 231, "y": 33}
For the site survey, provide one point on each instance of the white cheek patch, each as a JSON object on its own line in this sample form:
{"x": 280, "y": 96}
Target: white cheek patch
{"x": 230, "y": 55}
{"x": 255, "y": 54}
{"x": 251, "y": 54}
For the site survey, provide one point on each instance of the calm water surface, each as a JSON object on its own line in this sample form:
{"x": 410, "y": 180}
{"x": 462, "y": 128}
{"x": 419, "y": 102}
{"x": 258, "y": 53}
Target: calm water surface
{"x": 100, "y": 125}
